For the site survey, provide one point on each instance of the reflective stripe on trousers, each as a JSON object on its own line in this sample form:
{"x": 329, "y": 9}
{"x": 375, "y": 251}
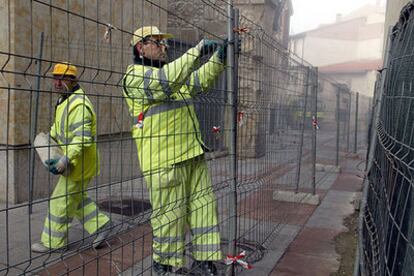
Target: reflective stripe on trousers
{"x": 181, "y": 195}
{"x": 69, "y": 201}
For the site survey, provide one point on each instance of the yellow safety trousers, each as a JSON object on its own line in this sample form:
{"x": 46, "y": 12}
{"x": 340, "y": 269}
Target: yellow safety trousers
{"x": 181, "y": 198}
{"x": 68, "y": 201}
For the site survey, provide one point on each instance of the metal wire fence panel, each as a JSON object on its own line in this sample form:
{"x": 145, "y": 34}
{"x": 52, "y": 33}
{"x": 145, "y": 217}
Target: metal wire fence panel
{"x": 386, "y": 225}
{"x": 273, "y": 91}
{"x": 364, "y": 119}
{"x": 306, "y": 117}
{"x": 359, "y": 122}
{"x": 127, "y": 150}
{"x": 334, "y": 117}
{"x": 327, "y": 120}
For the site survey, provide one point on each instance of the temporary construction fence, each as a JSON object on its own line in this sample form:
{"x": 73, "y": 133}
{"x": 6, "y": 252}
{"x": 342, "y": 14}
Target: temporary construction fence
{"x": 386, "y": 224}
{"x": 268, "y": 119}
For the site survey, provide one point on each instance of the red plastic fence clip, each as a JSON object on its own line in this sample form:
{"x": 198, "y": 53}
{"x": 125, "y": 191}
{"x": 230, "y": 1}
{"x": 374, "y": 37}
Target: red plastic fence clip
{"x": 315, "y": 122}
{"x": 241, "y": 30}
{"x": 140, "y": 121}
{"x": 238, "y": 259}
{"x": 240, "y": 118}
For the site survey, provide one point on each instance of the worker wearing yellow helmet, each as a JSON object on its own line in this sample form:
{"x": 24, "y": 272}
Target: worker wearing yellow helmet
{"x": 170, "y": 147}
{"x": 74, "y": 130}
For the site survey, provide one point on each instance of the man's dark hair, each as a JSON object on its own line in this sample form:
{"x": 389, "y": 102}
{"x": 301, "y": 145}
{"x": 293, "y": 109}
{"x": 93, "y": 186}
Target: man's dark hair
{"x": 135, "y": 51}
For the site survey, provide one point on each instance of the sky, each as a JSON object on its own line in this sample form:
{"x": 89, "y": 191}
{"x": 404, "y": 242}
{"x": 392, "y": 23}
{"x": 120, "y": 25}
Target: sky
{"x": 309, "y": 14}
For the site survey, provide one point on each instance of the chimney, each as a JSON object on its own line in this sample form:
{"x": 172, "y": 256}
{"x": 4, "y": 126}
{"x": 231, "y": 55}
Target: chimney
{"x": 338, "y": 17}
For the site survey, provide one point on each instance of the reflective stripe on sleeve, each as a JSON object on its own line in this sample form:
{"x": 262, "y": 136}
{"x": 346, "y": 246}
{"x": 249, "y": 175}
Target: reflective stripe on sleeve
{"x": 61, "y": 135}
{"x": 74, "y": 126}
{"x": 83, "y": 133}
{"x": 197, "y": 83}
{"x": 154, "y": 110}
{"x": 164, "y": 82}
{"x": 147, "y": 81}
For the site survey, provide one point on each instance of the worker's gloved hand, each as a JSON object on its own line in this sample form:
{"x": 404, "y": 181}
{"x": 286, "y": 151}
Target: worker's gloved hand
{"x": 51, "y": 165}
{"x": 206, "y": 46}
{"x": 58, "y": 166}
{"x": 222, "y": 51}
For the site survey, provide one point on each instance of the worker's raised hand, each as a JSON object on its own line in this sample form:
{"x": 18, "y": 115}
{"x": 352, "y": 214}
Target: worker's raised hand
{"x": 207, "y": 46}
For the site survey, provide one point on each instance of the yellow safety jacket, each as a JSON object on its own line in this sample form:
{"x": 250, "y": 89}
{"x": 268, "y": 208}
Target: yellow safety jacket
{"x": 169, "y": 132}
{"x": 74, "y": 129}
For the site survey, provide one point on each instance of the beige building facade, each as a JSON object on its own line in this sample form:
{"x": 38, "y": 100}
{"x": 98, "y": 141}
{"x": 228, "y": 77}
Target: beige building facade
{"x": 74, "y": 31}
{"x": 68, "y": 36}
{"x": 349, "y": 50}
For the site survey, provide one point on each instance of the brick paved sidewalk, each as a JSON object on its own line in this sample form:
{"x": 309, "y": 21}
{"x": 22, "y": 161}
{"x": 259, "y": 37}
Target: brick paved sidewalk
{"x": 303, "y": 244}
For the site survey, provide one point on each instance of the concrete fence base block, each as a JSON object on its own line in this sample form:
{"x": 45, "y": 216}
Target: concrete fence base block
{"x": 327, "y": 168}
{"x": 320, "y": 167}
{"x": 290, "y": 196}
{"x": 332, "y": 168}
{"x": 353, "y": 155}
{"x": 357, "y": 201}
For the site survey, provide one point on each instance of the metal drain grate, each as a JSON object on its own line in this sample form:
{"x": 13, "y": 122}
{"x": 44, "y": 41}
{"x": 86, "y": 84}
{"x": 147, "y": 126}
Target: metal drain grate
{"x": 125, "y": 207}
{"x": 254, "y": 253}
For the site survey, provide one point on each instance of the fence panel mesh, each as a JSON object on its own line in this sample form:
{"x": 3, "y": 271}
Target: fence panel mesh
{"x": 387, "y": 222}
{"x": 170, "y": 159}
{"x": 273, "y": 97}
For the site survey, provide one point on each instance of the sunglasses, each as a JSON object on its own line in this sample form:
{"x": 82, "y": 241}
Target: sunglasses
{"x": 158, "y": 42}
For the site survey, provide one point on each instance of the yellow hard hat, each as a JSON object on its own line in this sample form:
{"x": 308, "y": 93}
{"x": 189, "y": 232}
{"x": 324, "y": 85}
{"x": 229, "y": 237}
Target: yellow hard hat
{"x": 65, "y": 69}
{"x": 146, "y": 31}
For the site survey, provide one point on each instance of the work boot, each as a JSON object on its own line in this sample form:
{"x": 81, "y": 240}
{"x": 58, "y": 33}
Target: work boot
{"x": 161, "y": 269}
{"x": 203, "y": 268}
{"x": 39, "y": 247}
{"x": 103, "y": 233}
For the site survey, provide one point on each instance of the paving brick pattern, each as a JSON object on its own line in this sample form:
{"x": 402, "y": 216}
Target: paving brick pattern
{"x": 304, "y": 244}
{"x": 312, "y": 253}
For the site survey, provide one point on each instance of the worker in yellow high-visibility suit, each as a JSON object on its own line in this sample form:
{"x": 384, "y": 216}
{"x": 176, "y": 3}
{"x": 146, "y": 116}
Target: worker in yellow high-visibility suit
{"x": 74, "y": 129}
{"x": 170, "y": 150}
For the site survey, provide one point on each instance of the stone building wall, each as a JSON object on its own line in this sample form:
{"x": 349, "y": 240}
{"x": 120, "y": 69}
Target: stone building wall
{"x": 193, "y": 20}
{"x": 76, "y": 36}
{"x": 259, "y": 17}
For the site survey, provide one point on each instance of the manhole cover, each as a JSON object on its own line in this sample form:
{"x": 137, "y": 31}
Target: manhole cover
{"x": 125, "y": 207}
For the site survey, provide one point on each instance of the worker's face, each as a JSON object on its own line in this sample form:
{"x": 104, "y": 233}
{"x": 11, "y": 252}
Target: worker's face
{"x": 63, "y": 84}
{"x": 154, "y": 48}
